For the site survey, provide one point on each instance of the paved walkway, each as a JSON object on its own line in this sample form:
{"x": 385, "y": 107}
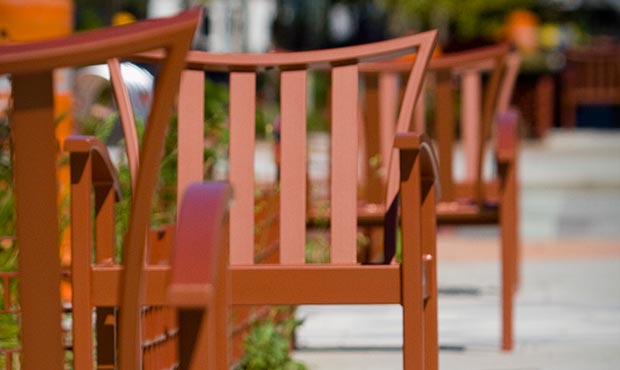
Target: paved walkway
{"x": 568, "y": 306}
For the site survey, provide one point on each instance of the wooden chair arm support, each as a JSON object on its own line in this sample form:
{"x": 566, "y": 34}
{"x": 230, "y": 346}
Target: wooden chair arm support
{"x": 195, "y": 272}
{"x": 374, "y": 214}
{"x": 405, "y": 141}
{"x": 103, "y": 171}
{"x": 507, "y": 137}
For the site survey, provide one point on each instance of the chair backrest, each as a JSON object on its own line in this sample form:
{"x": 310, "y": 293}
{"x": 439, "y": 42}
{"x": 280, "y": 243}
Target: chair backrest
{"x": 31, "y": 66}
{"x": 591, "y": 77}
{"x": 595, "y": 70}
{"x": 479, "y": 82}
{"x": 242, "y": 71}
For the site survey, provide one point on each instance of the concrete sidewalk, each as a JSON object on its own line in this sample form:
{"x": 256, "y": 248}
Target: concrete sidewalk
{"x": 568, "y": 307}
{"x": 567, "y": 317}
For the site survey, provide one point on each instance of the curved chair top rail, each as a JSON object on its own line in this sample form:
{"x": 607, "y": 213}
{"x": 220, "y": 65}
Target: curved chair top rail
{"x": 95, "y": 46}
{"x": 303, "y": 59}
{"x": 498, "y": 62}
{"x": 478, "y": 57}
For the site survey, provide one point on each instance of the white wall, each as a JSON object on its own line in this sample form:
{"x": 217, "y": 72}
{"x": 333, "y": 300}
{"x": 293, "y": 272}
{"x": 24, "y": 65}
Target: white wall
{"x": 240, "y": 25}
{"x": 163, "y": 8}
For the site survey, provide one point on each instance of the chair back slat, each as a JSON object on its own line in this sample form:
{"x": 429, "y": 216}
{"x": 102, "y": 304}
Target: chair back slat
{"x": 471, "y": 98}
{"x": 388, "y": 112}
{"x": 105, "y": 198}
{"x": 242, "y": 144}
{"x": 293, "y": 167}
{"x": 486, "y": 79}
{"x": 191, "y": 136}
{"x": 344, "y": 149}
{"x": 444, "y": 130}
{"x": 489, "y": 111}
{"x": 381, "y": 94}
{"x": 379, "y": 109}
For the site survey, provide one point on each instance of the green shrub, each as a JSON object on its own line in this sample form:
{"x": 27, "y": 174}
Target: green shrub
{"x": 267, "y": 345}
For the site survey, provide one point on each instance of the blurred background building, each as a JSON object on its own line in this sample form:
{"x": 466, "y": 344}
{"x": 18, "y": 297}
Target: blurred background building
{"x": 542, "y": 30}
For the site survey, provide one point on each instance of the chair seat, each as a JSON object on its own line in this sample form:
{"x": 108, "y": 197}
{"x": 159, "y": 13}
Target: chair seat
{"x": 289, "y": 280}
{"x": 368, "y": 214}
{"x": 458, "y": 212}
{"x": 467, "y": 212}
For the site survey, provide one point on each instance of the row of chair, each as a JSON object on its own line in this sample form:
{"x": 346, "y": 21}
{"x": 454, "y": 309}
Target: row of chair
{"x": 472, "y": 88}
{"x": 213, "y": 243}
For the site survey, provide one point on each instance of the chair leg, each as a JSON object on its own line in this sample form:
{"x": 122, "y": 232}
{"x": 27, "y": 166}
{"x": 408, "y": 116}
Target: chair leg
{"x": 222, "y": 308}
{"x": 413, "y": 325}
{"x": 106, "y": 336}
{"x": 509, "y": 254}
{"x": 222, "y": 338}
{"x": 411, "y": 266}
{"x": 429, "y": 243}
{"x": 516, "y": 240}
{"x": 507, "y": 294}
{"x": 569, "y": 112}
{"x": 196, "y": 349}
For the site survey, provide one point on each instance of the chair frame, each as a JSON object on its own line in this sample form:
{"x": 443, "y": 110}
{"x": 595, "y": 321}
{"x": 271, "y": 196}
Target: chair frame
{"x": 591, "y": 77}
{"x": 480, "y": 109}
{"x": 31, "y": 66}
{"x": 412, "y": 283}
{"x": 291, "y": 281}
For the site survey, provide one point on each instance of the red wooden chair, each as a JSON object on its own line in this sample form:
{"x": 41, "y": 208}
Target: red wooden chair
{"x": 591, "y": 77}
{"x": 266, "y": 219}
{"x": 480, "y": 82}
{"x": 411, "y": 282}
{"x": 295, "y": 281}
{"x": 129, "y": 286}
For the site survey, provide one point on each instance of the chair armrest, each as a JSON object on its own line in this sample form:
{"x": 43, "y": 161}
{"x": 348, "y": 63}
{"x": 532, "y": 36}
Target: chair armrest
{"x": 374, "y": 214}
{"x": 413, "y": 147}
{"x": 103, "y": 171}
{"x": 429, "y": 165}
{"x": 197, "y": 253}
{"x": 507, "y": 136}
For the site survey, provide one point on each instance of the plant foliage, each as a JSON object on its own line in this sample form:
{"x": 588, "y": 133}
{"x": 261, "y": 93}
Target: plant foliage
{"x": 267, "y": 344}
{"x": 470, "y": 19}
